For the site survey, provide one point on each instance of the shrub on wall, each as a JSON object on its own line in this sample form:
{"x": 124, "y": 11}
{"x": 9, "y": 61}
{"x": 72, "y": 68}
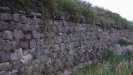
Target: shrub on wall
{"x": 124, "y": 41}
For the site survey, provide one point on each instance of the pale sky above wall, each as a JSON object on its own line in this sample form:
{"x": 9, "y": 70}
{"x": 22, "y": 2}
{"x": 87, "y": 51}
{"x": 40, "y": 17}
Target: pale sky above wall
{"x": 122, "y": 7}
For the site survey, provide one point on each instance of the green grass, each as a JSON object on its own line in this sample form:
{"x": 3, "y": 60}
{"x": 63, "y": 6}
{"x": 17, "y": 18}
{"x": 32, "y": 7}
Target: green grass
{"x": 124, "y": 41}
{"x": 77, "y": 10}
{"x": 111, "y": 64}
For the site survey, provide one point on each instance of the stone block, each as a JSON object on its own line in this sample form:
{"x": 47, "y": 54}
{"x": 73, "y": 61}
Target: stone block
{"x": 18, "y": 54}
{"x": 19, "y": 26}
{"x": 14, "y": 72}
{"x": 23, "y": 19}
{"x": 26, "y": 58}
{"x": 6, "y": 16}
{"x": 24, "y": 44}
{"x": 37, "y": 21}
{"x": 4, "y": 25}
{"x": 29, "y": 21}
{"x": 35, "y": 34}
{"x": 18, "y": 34}
{"x": 36, "y": 14}
{"x": 0, "y": 34}
{"x": 2, "y": 44}
{"x": 40, "y": 42}
{"x": 16, "y": 17}
{"x": 55, "y": 29}
{"x": 56, "y": 47}
{"x": 35, "y": 27}
{"x": 27, "y": 36}
{"x": 10, "y": 45}
{"x": 56, "y": 23}
{"x": 62, "y": 46}
{"x": 16, "y": 65}
{"x": 33, "y": 43}
{"x": 12, "y": 25}
{"x": 26, "y": 27}
{"x": 57, "y": 39}
{"x": 7, "y": 35}
{"x": 42, "y": 36}
{"x": 4, "y": 73}
{"x": 4, "y": 56}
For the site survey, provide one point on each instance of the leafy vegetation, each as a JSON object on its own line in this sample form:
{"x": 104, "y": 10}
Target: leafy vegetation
{"x": 124, "y": 42}
{"x": 113, "y": 63}
{"x": 77, "y": 10}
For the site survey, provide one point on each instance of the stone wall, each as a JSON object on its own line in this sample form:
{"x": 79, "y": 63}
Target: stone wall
{"x": 58, "y": 48}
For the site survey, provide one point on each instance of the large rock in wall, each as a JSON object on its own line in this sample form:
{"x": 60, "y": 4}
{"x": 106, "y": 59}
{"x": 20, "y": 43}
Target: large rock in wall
{"x": 61, "y": 47}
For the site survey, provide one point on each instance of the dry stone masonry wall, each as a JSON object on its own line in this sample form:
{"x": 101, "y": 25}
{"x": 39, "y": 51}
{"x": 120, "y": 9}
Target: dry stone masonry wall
{"x": 58, "y": 48}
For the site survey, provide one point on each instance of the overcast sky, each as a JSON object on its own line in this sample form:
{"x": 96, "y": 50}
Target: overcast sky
{"x": 122, "y": 7}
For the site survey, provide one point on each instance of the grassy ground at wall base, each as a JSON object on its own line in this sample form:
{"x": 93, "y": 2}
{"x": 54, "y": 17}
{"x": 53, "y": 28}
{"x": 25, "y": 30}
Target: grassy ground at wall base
{"x": 116, "y": 65}
{"x": 115, "y": 62}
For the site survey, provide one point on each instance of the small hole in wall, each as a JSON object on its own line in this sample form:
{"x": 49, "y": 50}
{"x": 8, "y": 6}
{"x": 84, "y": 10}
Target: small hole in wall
{"x": 97, "y": 49}
{"x": 34, "y": 57}
{"x": 27, "y": 32}
{"x": 24, "y": 40}
{"x": 68, "y": 32}
{"x": 12, "y": 51}
{"x": 93, "y": 47}
{"x": 91, "y": 31}
{"x": 98, "y": 38}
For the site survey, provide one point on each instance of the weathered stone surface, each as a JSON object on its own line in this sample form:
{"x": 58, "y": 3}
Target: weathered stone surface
{"x": 62, "y": 46}
{"x": 56, "y": 47}
{"x": 9, "y": 45}
{"x": 14, "y": 72}
{"x": 29, "y": 21}
{"x": 16, "y": 17}
{"x": 0, "y": 34}
{"x": 4, "y": 66}
{"x": 6, "y": 16}
{"x": 36, "y": 14}
{"x": 4, "y": 25}
{"x": 35, "y": 34}
{"x": 18, "y": 34}
{"x": 17, "y": 55}
{"x": 37, "y": 21}
{"x": 40, "y": 42}
{"x": 7, "y": 35}
{"x": 27, "y": 36}
{"x": 26, "y": 27}
{"x": 16, "y": 65}
{"x": 33, "y": 43}
{"x": 4, "y": 73}
{"x": 4, "y": 56}
{"x": 57, "y": 39}
{"x": 19, "y": 26}
{"x": 24, "y": 44}
{"x": 55, "y": 50}
{"x": 26, "y": 58}
{"x": 23, "y": 19}
{"x": 2, "y": 45}
{"x": 12, "y": 25}
{"x": 5, "y": 8}
{"x": 36, "y": 27}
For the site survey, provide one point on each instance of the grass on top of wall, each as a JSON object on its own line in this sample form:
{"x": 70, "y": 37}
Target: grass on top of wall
{"x": 76, "y": 9}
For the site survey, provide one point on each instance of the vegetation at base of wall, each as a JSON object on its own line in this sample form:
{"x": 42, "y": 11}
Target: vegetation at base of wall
{"x": 113, "y": 63}
{"x": 124, "y": 41}
{"x": 76, "y": 9}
